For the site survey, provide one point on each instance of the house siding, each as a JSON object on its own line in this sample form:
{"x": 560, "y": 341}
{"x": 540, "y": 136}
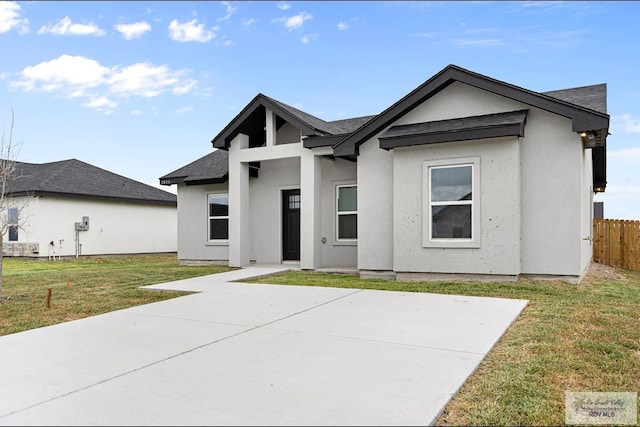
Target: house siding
{"x": 530, "y": 187}
{"x": 552, "y": 188}
{"x": 193, "y": 242}
{"x": 335, "y": 253}
{"x": 497, "y": 196}
{"x": 375, "y": 208}
{"x": 265, "y": 207}
{"x": 114, "y": 227}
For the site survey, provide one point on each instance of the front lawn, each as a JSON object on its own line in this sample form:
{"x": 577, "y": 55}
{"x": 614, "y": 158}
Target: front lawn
{"x": 84, "y": 287}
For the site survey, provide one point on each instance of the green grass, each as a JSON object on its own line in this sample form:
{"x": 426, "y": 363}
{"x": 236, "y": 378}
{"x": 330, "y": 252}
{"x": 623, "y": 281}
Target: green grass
{"x": 568, "y": 338}
{"x": 84, "y": 287}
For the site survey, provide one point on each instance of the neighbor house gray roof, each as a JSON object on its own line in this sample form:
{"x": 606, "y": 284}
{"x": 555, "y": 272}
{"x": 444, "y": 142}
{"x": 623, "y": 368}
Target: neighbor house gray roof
{"x": 210, "y": 169}
{"x": 74, "y": 178}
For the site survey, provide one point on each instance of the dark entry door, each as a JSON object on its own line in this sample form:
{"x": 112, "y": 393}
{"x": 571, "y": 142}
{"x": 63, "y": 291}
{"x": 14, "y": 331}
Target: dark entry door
{"x": 291, "y": 225}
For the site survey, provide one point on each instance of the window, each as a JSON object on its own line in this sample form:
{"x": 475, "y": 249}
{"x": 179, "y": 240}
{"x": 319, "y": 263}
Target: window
{"x": 13, "y": 224}
{"x": 452, "y": 208}
{"x": 347, "y": 212}
{"x": 218, "y": 217}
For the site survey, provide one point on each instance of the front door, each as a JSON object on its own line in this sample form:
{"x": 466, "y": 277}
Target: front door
{"x": 291, "y": 225}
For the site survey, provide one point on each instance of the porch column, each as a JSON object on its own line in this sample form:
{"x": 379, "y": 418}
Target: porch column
{"x": 310, "y": 180}
{"x": 239, "y": 236}
{"x": 270, "y": 128}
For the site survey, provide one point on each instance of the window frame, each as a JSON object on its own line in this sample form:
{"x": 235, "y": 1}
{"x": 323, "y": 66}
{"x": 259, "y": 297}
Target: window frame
{"x": 427, "y": 220}
{"x": 338, "y": 213}
{"x": 13, "y": 225}
{"x": 216, "y": 217}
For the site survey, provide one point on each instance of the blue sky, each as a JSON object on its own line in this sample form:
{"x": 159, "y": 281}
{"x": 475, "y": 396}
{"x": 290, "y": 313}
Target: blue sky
{"x": 140, "y": 88}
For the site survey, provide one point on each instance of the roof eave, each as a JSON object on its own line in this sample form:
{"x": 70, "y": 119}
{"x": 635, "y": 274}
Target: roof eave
{"x": 222, "y": 140}
{"x": 583, "y": 119}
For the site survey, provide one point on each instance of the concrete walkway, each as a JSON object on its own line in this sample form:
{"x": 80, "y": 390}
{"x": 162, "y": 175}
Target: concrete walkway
{"x": 249, "y": 354}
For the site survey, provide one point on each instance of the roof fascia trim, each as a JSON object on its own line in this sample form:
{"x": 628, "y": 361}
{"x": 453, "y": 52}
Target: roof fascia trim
{"x": 582, "y": 118}
{"x": 512, "y": 129}
{"x": 220, "y": 140}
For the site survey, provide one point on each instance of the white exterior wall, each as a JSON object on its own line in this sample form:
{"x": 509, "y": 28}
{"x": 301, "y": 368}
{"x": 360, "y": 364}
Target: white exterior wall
{"x": 375, "y": 208}
{"x": 552, "y": 189}
{"x": 255, "y": 211}
{"x": 333, "y": 252}
{"x": 114, "y": 227}
{"x": 586, "y": 211}
{"x": 497, "y": 195}
{"x": 551, "y": 194}
{"x": 265, "y": 194}
{"x": 287, "y": 134}
{"x": 193, "y": 227}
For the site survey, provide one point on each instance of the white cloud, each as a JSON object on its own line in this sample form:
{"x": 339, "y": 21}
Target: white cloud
{"x": 71, "y": 72}
{"x": 283, "y": 5}
{"x": 184, "y": 87}
{"x": 96, "y": 84}
{"x": 250, "y": 21}
{"x": 101, "y": 104}
{"x": 144, "y": 79}
{"x": 627, "y": 123}
{"x": 10, "y": 18}
{"x": 342, "y": 26}
{"x": 631, "y": 154}
{"x": 136, "y": 112}
{"x": 66, "y": 27}
{"x": 190, "y": 32}
{"x": 296, "y": 21}
{"x": 230, "y": 10}
{"x": 131, "y": 31}
{"x": 308, "y": 37}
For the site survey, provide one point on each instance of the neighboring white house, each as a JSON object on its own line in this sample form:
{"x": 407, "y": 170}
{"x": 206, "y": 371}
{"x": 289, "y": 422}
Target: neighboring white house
{"x": 71, "y": 208}
{"x": 466, "y": 176}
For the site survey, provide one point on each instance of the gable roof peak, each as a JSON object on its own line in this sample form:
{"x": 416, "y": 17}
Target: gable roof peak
{"x": 583, "y": 118}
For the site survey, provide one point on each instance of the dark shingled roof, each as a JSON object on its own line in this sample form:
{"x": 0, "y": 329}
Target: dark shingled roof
{"x": 593, "y": 97}
{"x": 586, "y": 106}
{"x": 312, "y": 121}
{"x": 210, "y": 169}
{"x": 349, "y": 125}
{"x": 73, "y": 178}
{"x": 582, "y": 119}
{"x": 475, "y": 127}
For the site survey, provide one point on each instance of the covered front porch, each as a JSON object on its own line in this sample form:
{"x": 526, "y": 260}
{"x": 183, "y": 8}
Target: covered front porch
{"x": 283, "y": 204}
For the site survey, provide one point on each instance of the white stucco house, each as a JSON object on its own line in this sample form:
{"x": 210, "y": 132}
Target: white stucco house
{"x": 464, "y": 177}
{"x": 71, "y": 208}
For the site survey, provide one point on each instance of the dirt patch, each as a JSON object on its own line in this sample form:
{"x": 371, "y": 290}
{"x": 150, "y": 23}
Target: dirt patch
{"x": 598, "y": 273}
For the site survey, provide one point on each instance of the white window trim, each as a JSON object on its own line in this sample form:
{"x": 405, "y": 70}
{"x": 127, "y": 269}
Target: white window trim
{"x": 337, "y": 240}
{"x": 427, "y": 240}
{"x": 209, "y": 217}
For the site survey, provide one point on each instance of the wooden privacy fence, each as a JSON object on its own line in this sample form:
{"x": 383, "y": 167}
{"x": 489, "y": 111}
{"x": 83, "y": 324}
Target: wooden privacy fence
{"x": 616, "y": 242}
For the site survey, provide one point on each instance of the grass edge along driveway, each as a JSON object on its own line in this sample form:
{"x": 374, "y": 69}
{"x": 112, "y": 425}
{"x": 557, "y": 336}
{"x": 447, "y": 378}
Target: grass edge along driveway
{"x": 85, "y": 286}
{"x": 569, "y": 338}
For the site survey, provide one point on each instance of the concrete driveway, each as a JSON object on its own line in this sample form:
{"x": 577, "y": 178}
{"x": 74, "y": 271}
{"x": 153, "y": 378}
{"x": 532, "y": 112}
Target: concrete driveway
{"x": 248, "y": 354}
